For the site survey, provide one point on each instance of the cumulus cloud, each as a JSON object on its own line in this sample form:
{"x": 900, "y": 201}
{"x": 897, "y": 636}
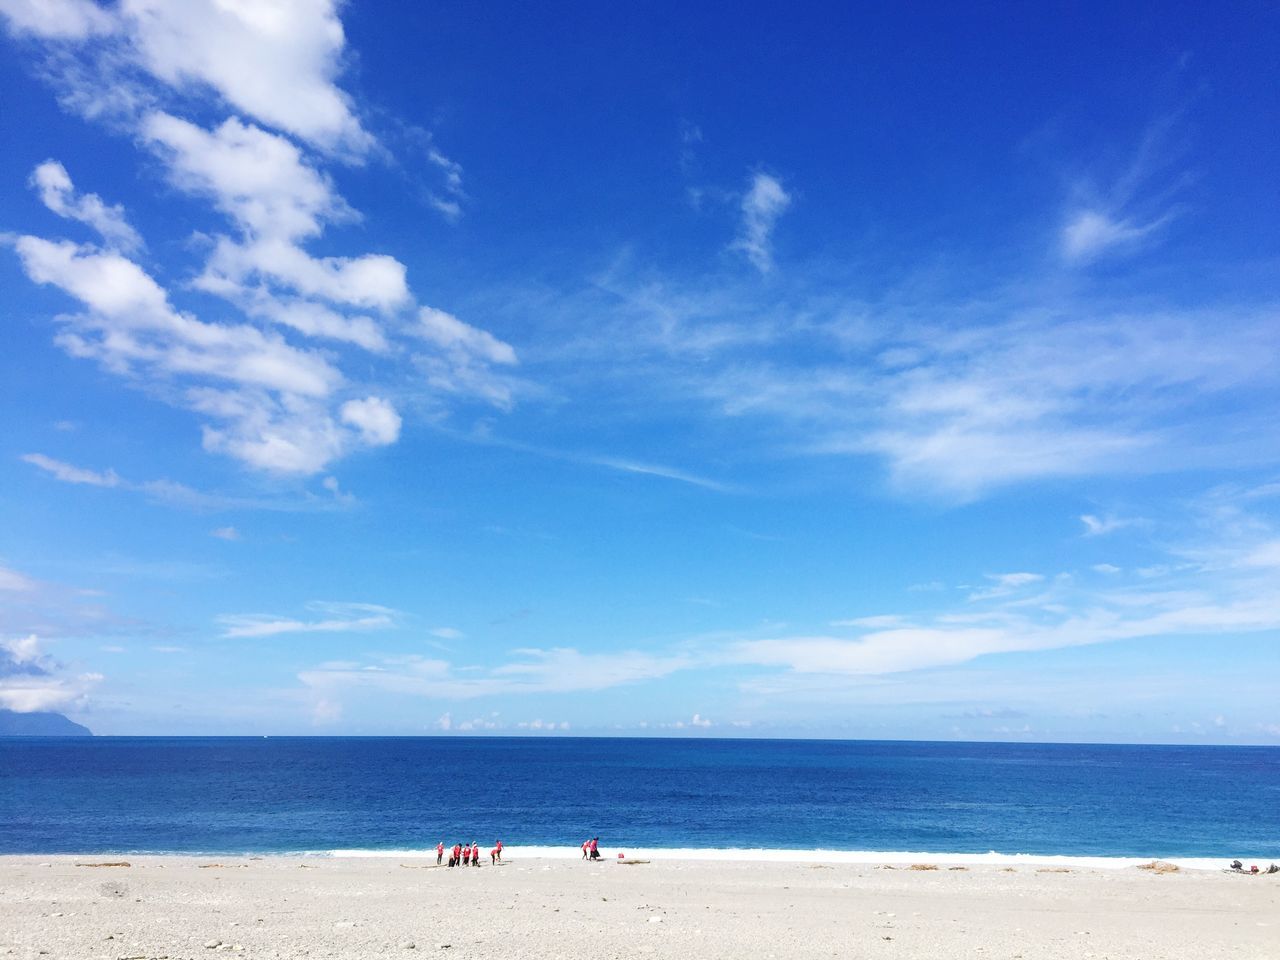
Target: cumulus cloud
{"x": 31, "y": 681}
{"x": 59, "y": 194}
{"x": 261, "y": 396}
{"x": 58, "y": 19}
{"x": 762, "y": 205}
{"x": 375, "y": 418}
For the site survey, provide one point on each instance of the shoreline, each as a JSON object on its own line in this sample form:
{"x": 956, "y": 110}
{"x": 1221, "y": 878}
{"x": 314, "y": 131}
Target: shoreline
{"x": 748, "y": 855}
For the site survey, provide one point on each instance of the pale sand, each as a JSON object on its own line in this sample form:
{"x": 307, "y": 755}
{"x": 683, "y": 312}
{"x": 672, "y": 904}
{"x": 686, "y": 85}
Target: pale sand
{"x": 533, "y": 908}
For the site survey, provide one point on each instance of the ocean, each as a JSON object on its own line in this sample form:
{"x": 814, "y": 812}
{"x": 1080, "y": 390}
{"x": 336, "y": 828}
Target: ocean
{"x": 316, "y": 795}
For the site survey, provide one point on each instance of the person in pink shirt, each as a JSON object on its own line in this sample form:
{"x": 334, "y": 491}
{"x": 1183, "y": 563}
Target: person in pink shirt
{"x": 439, "y": 853}
{"x": 493, "y": 856}
{"x": 497, "y": 845}
{"x": 595, "y": 848}
{"x": 586, "y": 847}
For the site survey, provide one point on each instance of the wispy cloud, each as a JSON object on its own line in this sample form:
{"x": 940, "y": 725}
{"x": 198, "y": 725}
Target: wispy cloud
{"x": 174, "y": 494}
{"x": 764, "y": 202}
{"x": 336, "y": 618}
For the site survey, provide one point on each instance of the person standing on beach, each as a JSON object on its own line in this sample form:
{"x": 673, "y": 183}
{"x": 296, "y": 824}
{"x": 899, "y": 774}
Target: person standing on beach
{"x": 466, "y": 855}
{"x": 586, "y": 845}
{"x": 457, "y": 855}
{"x": 595, "y": 848}
{"x": 439, "y": 853}
{"x": 497, "y": 846}
{"x": 475, "y": 853}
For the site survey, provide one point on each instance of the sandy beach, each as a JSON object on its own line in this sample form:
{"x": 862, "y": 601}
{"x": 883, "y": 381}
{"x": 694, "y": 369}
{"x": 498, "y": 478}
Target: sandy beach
{"x": 205, "y": 907}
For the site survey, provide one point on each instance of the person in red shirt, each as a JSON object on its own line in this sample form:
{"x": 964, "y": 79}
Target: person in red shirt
{"x": 439, "y": 853}
{"x": 595, "y": 848}
{"x": 493, "y": 856}
{"x": 475, "y": 853}
{"x": 457, "y": 855}
{"x": 466, "y": 856}
{"x": 497, "y": 845}
{"x": 586, "y": 846}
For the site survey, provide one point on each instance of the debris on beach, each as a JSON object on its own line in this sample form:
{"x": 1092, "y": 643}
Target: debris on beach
{"x": 924, "y": 866}
{"x": 118, "y": 863}
{"x": 1160, "y": 866}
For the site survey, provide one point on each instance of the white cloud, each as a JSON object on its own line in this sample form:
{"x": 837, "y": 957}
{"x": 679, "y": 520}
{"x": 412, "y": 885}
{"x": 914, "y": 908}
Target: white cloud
{"x": 262, "y": 182}
{"x": 1005, "y": 584}
{"x": 1107, "y": 568}
{"x": 58, "y": 19}
{"x": 267, "y": 402}
{"x": 276, "y": 61}
{"x": 12, "y": 581}
{"x": 762, "y": 205}
{"x": 226, "y": 533}
{"x": 557, "y": 670}
{"x": 446, "y": 633}
{"x": 447, "y": 331}
{"x": 449, "y": 205}
{"x": 30, "y": 681}
{"x": 1099, "y": 526}
{"x": 342, "y": 618}
{"x": 1088, "y": 234}
{"x": 131, "y": 322}
{"x": 699, "y": 721}
{"x": 58, "y": 193}
{"x": 562, "y": 669}
{"x": 375, "y": 418}
{"x": 466, "y": 357}
{"x": 72, "y": 474}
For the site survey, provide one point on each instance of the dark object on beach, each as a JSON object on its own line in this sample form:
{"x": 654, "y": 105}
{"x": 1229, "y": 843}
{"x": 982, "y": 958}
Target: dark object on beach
{"x": 1237, "y": 865}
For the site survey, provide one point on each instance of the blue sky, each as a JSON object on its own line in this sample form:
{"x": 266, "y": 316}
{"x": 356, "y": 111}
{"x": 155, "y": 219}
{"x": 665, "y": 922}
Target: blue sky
{"x": 887, "y": 372}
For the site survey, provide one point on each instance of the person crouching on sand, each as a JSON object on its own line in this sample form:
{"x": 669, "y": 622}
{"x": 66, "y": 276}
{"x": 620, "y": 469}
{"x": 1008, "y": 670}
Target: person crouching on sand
{"x": 586, "y": 846}
{"x": 439, "y": 853}
{"x": 493, "y": 856}
{"x": 595, "y": 848}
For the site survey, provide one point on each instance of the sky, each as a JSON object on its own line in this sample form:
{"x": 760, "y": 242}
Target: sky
{"x": 902, "y": 371}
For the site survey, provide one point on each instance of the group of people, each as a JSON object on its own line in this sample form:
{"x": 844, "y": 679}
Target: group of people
{"x": 468, "y": 856}
{"x": 591, "y": 849}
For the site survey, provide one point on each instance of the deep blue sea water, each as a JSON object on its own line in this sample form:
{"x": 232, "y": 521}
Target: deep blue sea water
{"x": 235, "y": 795}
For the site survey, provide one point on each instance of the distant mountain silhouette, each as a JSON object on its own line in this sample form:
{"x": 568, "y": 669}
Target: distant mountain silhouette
{"x": 39, "y": 725}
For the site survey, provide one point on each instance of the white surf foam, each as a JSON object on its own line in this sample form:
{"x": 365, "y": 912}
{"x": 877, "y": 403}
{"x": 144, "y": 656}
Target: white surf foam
{"x": 892, "y": 857}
